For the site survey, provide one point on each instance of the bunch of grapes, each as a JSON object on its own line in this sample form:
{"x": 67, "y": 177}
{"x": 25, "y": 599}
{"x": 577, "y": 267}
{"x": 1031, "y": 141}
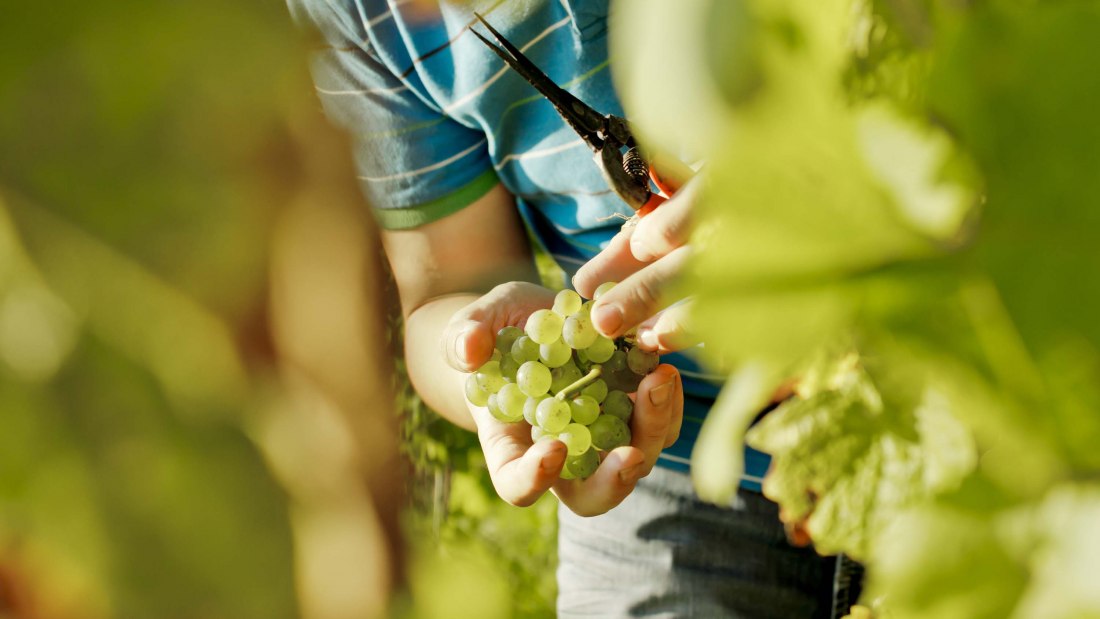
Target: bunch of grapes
{"x": 564, "y": 379}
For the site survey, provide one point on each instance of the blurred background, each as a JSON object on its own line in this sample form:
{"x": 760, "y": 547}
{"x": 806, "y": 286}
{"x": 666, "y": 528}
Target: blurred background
{"x": 203, "y": 412}
{"x": 199, "y": 415}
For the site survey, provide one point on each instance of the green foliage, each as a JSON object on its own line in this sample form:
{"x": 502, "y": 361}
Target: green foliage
{"x": 457, "y": 519}
{"x": 902, "y": 210}
{"x": 133, "y": 217}
{"x": 848, "y": 460}
{"x": 127, "y": 491}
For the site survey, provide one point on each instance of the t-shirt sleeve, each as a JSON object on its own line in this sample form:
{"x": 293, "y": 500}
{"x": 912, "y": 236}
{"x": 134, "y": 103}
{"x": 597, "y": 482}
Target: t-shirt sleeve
{"x": 415, "y": 164}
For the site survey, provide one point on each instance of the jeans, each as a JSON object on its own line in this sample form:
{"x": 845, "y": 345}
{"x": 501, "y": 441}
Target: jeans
{"x": 665, "y": 553}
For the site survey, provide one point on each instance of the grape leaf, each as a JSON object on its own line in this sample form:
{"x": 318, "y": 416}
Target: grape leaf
{"x": 849, "y": 462}
{"x": 918, "y": 178}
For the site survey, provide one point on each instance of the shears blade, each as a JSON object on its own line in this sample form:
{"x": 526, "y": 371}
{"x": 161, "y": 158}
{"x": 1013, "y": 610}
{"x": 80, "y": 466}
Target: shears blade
{"x": 587, "y": 122}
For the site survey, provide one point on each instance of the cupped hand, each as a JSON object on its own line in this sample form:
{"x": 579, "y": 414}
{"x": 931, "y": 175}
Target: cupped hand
{"x": 655, "y": 425}
{"x": 522, "y": 470}
{"x": 644, "y": 258}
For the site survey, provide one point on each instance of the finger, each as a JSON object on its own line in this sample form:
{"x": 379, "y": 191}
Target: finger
{"x": 664, "y": 229}
{"x": 467, "y": 344}
{"x": 796, "y": 530}
{"x": 657, "y": 404}
{"x": 470, "y": 336}
{"x": 613, "y": 264}
{"x": 668, "y": 330}
{"x": 520, "y": 472}
{"x": 607, "y": 487}
{"x": 637, "y": 297}
{"x": 797, "y": 535}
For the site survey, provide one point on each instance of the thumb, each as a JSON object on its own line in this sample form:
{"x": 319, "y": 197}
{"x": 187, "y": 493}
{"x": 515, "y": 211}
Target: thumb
{"x": 467, "y": 344}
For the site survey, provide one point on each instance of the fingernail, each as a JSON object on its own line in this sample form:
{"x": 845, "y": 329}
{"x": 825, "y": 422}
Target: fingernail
{"x": 648, "y": 338}
{"x": 660, "y": 394}
{"x": 631, "y": 475}
{"x": 608, "y": 319}
{"x": 460, "y": 346}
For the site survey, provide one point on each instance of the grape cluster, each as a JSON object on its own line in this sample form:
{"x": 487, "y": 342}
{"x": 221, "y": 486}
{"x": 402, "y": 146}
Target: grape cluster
{"x": 566, "y": 380}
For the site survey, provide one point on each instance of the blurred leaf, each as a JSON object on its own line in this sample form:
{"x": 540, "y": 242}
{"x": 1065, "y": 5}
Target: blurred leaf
{"x": 945, "y": 563}
{"x": 156, "y": 127}
{"x": 1011, "y": 84}
{"x": 717, "y": 474}
{"x": 154, "y": 511}
{"x": 850, "y": 460}
{"x": 955, "y": 561}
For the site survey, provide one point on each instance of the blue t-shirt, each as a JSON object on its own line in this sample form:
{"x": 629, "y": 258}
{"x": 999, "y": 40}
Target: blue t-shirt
{"x": 438, "y": 120}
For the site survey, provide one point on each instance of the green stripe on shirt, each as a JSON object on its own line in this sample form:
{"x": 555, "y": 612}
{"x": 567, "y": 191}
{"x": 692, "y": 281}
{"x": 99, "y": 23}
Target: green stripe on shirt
{"x": 415, "y": 216}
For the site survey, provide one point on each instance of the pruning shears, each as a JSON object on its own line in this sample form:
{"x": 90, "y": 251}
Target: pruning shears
{"x": 627, "y": 173}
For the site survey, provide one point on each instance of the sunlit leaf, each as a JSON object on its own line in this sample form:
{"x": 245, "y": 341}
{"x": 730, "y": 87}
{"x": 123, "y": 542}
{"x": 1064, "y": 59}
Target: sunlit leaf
{"x": 850, "y": 462}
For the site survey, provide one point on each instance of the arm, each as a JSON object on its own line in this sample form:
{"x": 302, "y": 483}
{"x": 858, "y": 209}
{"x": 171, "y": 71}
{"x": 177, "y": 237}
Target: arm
{"x": 442, "y": 267}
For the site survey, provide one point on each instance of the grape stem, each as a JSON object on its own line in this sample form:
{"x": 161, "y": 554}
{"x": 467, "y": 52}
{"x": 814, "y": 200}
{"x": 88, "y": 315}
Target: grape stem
{"x": 580, "y": 383}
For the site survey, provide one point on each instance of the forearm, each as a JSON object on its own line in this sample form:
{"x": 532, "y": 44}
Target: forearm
{"x": 442, "y": 268}
{"x": 440, "y": 385}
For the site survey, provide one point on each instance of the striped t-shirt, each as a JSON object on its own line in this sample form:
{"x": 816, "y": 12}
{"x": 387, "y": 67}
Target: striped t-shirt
{"x": 438, "y": 120}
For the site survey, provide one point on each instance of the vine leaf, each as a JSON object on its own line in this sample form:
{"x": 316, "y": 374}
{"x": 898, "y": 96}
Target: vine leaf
{"x": 849, "y": 462}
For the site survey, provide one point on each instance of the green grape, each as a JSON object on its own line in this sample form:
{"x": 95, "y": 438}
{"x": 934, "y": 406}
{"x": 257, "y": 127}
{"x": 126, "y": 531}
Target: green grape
{"x": 529, "y": 409}
{"x": 577, "y": 438}
{"x": 585, "y": 409}
{"x": 544, "y": 326}
{"x": 474, "y": 393}
{"x": 562, "y": 377}
{"x": 490, "y": 368}
{"x": 578, "y": 332}
{"x": 640, "y": 361}
{"x": 622, "y": 380}
{"x": 609, "y": 432}
{"x": 565, "y": 472}
{"x": 600, "y": 350}
{"x": 567, "y": 302}
{"x": 489, "y": 377}
{"x": 582, "y": 358}
{"x": 494, "y": 409}
{"x": 511, "y": 400}
{"x": 508, "y": 368}
{"x": 616, "y": 362}
{"x": 495, "y": 356}
{"x": 506, "y": 337}
{"x": 618, "y": 405}
{"x": 553, "y": 415}
{"x": 555, "y": 354}
{"x": 533, "y": 378}
{"x": 538, "y": 434}
{"x": 597, "y": 390}
{"x": 602, "y": 288}
{"x": 525, "y": 349}
{"x": 582, "y": 466}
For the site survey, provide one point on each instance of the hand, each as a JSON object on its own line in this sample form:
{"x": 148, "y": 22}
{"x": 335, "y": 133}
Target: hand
{"x": 521, "y": 471}
{"x": 643, "y": 258}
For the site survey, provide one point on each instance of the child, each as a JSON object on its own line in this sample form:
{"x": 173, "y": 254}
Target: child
{"x": 457, "y": 155}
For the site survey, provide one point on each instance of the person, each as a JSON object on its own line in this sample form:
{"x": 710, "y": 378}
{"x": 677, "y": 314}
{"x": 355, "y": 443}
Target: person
{"x": 466, "y": 167}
